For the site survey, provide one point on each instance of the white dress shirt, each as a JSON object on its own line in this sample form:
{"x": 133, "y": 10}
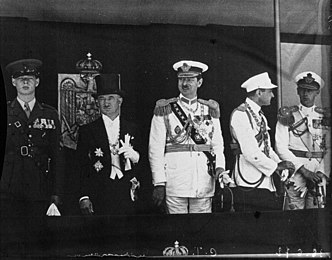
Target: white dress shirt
{"x": 113, "y": 134}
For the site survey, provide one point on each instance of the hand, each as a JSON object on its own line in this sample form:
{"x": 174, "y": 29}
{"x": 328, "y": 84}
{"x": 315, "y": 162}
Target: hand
{"x": 86, "y": 207}
{"x": 158, "y": 195}
{"x": 283, "y": 165}
{"x": 129, "y": 153}
{"x": 56, "y": 200}
{"x": 314, "y": 177}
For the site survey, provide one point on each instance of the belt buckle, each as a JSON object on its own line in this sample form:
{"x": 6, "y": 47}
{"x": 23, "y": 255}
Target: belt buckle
{"x": 308, "y": 155}
{"x": 24, "y": 150}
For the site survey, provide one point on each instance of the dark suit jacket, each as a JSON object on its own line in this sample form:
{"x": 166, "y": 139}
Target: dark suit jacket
{"x": 33, "y": 164}
{"x": 108, "y": 196}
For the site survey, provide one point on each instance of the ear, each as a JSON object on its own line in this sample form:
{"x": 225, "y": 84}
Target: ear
{"x": 120, "y": 100}
{"x": 14, "y": 82}
{"x": 37, "y": 82}
{"x": 200, "y": 82}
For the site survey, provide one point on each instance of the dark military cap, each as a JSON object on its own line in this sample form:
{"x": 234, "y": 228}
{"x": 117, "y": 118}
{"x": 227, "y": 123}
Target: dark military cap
{"x": 309, "y": 80}
{"x": 108, "y": 84}
{"x": 24, "y": 67}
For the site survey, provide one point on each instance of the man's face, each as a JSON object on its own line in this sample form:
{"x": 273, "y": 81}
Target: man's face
{"x": 110, "y": 104}
{"x": 25, "y": 85}
{"x": 307, "y": 96}
{"x": 188, "y": 86}
{"x": 265, "y": 96}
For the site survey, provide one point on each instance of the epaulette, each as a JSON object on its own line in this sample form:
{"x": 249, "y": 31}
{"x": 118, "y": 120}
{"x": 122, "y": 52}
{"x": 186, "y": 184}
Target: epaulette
{"x": 48, "y": 106}
{"x": 285, "y": 115}
{"x": 163, "y": 107}
{"x": 324, "y": 111}
{"x": 213, "y": 105}
{"x": 243, "y": 107}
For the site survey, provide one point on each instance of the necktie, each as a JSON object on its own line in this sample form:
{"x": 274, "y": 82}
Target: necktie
{"x": 27, "y": 109}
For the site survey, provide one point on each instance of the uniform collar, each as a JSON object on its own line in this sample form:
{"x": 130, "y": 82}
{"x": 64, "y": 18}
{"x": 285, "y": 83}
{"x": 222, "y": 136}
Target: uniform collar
{"x": 188, "y": 101}
{"x": 31, "y": 103}
{"x": 254, "y": 106}
{"x": 307, "y": 110}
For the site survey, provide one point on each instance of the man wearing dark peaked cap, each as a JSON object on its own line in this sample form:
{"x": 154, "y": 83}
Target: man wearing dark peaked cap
{"x": 108, "y": 155}
{"x": 32, "y": 174}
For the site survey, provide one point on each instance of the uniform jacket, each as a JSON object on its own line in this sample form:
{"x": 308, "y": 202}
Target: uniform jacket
{"x": 33, "y": 165}
{"x": 108, "y": 196}
{"x": 185, "y": 173}
{"x": 253, "y": 163}
{"x": 316, "y": 138}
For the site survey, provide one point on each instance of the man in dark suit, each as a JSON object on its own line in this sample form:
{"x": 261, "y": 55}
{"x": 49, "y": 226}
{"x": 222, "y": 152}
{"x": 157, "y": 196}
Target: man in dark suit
{"x": 32, "y": 175}
{"x": 107, "y": 155}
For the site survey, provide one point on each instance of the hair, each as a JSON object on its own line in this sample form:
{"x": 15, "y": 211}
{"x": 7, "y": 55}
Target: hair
{"x": 199, "y": 77}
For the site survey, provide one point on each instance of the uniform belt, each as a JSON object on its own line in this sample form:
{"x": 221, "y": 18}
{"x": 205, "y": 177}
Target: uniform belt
{"x": 307, "y": 154}
{"x": 188, "y": 147}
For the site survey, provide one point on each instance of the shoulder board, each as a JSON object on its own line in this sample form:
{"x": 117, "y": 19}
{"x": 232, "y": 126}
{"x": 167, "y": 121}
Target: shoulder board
{"x": 323, "y": 110}
{"x": 294, "y": 108}
{"x": 163, "y": 107}
{"x": 48, "y": 106}
{"x": 285, "y": 115}
{"x": 243, "y": 107}
{"x": 213, "y": 106}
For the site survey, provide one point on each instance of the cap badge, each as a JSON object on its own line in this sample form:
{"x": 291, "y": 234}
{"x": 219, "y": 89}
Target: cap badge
{"x": 185, "y": 67}
{"x": 309, "y": 79}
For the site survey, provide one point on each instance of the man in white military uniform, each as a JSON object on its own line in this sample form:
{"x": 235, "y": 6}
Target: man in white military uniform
{"x": 256, "y": 161}
{"x": 186, "y": 145}
{"x": 303, "y": 137}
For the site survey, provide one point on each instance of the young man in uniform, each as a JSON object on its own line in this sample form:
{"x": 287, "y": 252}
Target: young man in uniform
{"x": 32, "y": 175}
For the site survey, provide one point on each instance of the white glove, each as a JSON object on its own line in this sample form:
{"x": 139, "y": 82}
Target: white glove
{"x": 53, "y": 210}
{"x": 224, "y": 179}
{"x": 284, "y": 175}
{"x": 129, "y": 152}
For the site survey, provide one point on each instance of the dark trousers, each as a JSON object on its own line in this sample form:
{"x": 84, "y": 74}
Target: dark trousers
{"x": 252, "y": 200}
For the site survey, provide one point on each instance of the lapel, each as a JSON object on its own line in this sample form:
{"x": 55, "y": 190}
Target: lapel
{"x": 100, "y": 137}
{"x": 17, "y": 111}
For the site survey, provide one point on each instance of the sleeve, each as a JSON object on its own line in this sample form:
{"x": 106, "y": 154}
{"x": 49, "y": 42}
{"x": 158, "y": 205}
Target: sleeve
{"x": 57, "y": 158}
{"x": 325, "y": 164}
{"x": 218, "y": 144}
{"x": 83, "y": 161}
{"x": 281, "y": 145}
{"x": 157, "y": 142}
{"x": 245, "y": 135}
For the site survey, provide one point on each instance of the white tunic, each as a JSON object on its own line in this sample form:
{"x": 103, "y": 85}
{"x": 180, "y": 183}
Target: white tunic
{"x": 185, "y": 174}
{"x": 317, "y": 139}
{"x": 252, "y": 162}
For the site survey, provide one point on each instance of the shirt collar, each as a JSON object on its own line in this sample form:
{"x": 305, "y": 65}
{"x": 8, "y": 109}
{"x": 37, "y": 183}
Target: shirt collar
{"x": 31, "y": 103}
{"x": 109, "y": 121}
{"x": 188, "y": 101}
{"x": 254, "y": 106}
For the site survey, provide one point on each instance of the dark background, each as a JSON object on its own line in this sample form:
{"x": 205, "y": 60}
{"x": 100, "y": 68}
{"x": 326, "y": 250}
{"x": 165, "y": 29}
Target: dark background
{"x": 143, "y": 56}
